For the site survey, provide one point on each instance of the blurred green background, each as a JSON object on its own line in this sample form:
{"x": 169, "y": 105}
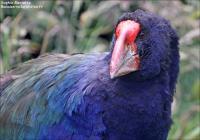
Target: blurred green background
{"x": 87, "y": 26}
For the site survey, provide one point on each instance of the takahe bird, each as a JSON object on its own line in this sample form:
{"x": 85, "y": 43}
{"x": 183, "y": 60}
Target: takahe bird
{"x": 125, "y": 94}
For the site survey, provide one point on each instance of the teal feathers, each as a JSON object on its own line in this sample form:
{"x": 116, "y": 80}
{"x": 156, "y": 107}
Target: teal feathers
{"x": 41, "y": 93}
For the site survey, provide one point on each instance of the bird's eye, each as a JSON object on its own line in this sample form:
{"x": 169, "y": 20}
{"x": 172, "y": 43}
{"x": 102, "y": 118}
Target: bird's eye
{"x": 141, "y": 34}
{"x": 141, "y": 52}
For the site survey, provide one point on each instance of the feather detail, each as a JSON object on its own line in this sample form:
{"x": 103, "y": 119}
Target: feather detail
{"x": 46, "y": 92}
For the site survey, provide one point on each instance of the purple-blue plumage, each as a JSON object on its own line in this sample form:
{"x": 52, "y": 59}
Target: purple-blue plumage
{"x": 73, "y": 97}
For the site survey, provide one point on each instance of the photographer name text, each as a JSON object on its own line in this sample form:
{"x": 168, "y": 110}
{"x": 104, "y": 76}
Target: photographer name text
{"x": 19, "y": 4}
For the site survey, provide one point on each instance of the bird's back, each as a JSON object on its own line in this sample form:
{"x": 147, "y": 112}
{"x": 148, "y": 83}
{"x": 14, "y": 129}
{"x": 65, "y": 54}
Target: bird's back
{"x": 42, "y": 98}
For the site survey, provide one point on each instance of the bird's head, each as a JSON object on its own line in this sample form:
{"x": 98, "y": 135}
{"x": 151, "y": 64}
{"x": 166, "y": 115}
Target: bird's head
{"x": 142, "y": 43}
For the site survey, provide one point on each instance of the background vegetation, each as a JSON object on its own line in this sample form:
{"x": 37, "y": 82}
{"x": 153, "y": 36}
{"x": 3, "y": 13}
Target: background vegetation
{"x": 87, "y": 26}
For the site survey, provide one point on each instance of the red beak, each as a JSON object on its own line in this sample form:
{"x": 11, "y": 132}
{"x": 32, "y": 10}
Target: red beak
{"x": 124, "y": 57}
